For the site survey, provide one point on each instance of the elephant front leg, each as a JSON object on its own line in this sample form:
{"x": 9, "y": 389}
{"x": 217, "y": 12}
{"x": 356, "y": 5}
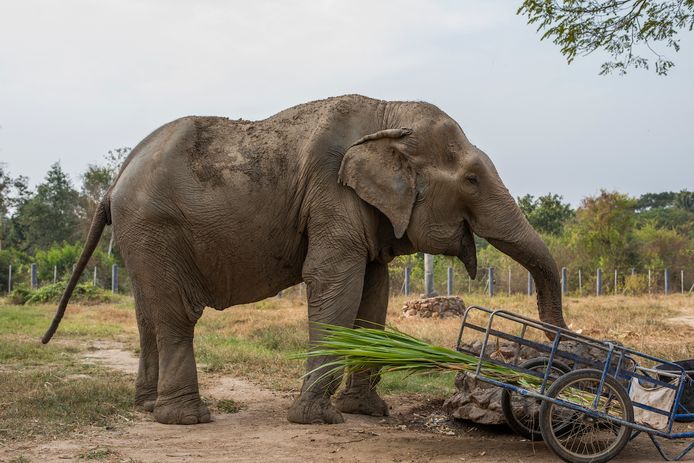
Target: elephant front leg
{"x": 359, "y": 395}
{"x": 334, "y": 288}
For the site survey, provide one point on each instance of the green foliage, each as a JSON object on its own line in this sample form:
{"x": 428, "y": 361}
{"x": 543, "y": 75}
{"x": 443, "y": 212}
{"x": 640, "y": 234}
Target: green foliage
{"x": 63, "y": 256}
{"x": 603, "y": 232}
{"x": 662, "y": 247}
{"x": 547, "y": 213}
{"x": 50, "y": 215}
{"x": 228, "y": 406}
{"x": 617, "y": 27}
{"x": 85, "y": 293}
{"x": 19, "y": 295}
{"x": 635, "y": 285}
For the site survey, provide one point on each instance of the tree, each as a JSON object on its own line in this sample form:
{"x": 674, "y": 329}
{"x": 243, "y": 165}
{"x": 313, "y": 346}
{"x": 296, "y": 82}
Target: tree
{"x": 547, "y": 214}
{"x": 602, "y": 235}
{"x": 648, "y": 201}
{"x": 50, "y": 215}
{"x": 13, "y": 193}
{"x": 617, "y": 27}
{"x": 5, "y": 185}
{"x": 685, "y": 200}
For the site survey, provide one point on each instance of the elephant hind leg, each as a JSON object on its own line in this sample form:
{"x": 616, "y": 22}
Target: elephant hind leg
{"x": 178, "y": 397}
{"x": 148, "y": 370}
{"x": 167, "y": 382}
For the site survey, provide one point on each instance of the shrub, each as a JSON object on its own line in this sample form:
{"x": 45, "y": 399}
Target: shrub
{"x": 635, "y": 285}
{"x": 19, "y": 295}
{"x": 84, "y": 292}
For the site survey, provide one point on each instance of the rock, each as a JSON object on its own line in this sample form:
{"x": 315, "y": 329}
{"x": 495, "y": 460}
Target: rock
{"x": 480, "y": 402}
{"x": 434, "y": 307}
{"x": 475, "y": 401}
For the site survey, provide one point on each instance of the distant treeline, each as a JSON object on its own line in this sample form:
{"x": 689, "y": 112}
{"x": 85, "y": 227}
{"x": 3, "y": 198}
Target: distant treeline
{"x": 611, "y": 231}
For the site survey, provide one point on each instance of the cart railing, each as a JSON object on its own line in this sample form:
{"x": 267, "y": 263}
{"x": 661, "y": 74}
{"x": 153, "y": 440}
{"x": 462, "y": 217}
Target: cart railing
{"x": 620, "y": 362}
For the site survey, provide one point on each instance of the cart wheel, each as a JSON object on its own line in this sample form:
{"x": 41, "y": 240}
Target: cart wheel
{"x": 588, "y": 439}
{"x": 522, "y": 413}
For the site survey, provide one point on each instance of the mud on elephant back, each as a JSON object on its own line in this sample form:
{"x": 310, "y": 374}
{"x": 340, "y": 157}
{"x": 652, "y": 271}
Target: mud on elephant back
{"x": 211, "y": 212}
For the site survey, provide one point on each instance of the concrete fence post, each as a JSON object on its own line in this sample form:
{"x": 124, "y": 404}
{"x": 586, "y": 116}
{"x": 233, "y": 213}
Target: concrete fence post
{"x": 598, "y": 283}
{"x": 509, "y": 281}
{"x": 469, "y": 285}
{"x": 114, "y": 278}
{"x": 615, "y": 281}
{"x": 449, "y": 281}
{"x": 490, "y": 275}
{"x": 564, "y": 280}
{"x": 55, "y": 273}
{"x": 428, "y": 275}
{"x": 666, "y": 277}
{"x": 408, "y": 272}
{"x": 34, "y": 276}
{"x": 633, "y": 271}
{"x": 649, "y": 281}
{"x": 94, "y": 277}
{"x": 9, "y": 279}
{"x": 530, "y": 284}
{"x": 580, "y": 282}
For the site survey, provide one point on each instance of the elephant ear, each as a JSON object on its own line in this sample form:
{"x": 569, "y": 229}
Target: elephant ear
{"x": 376, "y": 167}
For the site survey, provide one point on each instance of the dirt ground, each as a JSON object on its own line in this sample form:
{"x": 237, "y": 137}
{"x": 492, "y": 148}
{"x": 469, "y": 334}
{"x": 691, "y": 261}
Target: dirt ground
{"x": 259, "y": 432}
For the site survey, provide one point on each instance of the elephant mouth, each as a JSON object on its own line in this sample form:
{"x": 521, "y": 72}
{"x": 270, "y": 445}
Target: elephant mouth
{"x": 468, "y": 251}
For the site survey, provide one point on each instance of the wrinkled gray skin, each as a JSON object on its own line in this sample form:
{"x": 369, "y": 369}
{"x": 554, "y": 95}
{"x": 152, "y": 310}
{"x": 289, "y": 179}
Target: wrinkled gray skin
{"x": 212, "y": 212}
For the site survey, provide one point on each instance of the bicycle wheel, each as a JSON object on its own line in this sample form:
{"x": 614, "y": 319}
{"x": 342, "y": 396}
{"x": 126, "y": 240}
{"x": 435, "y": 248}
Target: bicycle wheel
{"x": 588, "y": 439}
{"x": 522, "y": 413}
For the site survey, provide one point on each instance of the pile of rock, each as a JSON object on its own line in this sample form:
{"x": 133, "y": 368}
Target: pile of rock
{"x": 434, "y": 307}
{"x": 480, "y": 402}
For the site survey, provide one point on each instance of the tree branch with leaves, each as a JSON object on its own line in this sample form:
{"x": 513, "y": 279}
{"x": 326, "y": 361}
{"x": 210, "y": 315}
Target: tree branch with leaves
{"x": 621, "y": 28}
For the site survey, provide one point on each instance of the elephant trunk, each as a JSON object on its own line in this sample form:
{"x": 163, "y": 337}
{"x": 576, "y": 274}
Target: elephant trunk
{"x": 527, "y": 248}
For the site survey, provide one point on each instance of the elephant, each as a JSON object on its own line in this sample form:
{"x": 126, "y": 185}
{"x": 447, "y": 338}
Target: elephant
{"x": 214, "y": 212}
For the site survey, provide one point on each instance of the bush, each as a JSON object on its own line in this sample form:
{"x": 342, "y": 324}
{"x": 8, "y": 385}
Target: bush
{"x": 85, "y": 293}
{"x": 19, "y": 295}
{"x": 635, "y": 285}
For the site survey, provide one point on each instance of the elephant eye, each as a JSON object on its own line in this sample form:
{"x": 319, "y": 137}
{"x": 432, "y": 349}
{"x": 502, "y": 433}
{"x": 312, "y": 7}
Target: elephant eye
{"x": 471, "y": 178}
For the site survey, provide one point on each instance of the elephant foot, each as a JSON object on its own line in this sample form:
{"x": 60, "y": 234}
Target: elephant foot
{"x": 314, "y": 410}
{"x": 362, "y": 402}
{"x": 192, "y": 412}
{"x": 146, "y": 402}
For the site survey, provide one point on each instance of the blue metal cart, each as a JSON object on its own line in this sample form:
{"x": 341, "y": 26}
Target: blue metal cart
{"x": 589, "y": 398}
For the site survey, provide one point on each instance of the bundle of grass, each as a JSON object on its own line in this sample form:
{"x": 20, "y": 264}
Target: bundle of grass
{"x": 393, "y": 350}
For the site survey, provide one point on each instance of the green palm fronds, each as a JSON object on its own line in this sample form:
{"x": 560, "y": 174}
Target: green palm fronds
{"x": 392, "y": 350}
{"x": 356, "y": 349}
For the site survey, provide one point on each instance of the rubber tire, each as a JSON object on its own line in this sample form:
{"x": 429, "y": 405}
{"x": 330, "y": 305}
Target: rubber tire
{"x": 507, "y": 396}
{"x": 545, "y": 416}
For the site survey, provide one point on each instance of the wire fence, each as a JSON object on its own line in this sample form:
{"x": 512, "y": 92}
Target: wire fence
{"x": 31, "y": 276}
{"x": 410, "y": 281}
{"x": 574, "y": 282}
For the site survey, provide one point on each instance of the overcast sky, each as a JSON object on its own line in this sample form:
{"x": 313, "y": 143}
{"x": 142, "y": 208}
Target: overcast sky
{"x": 78, "y": 78}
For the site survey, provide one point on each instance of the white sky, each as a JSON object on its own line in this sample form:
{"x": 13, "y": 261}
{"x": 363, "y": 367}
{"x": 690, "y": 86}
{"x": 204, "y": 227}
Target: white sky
{"x": 78, "y": 78}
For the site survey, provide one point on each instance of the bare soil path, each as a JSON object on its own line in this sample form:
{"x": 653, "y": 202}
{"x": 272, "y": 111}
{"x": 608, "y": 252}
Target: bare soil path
{"x": 259, "y": 432}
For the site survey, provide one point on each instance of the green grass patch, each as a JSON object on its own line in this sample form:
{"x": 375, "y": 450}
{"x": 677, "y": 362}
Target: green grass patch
{"x": 248, "y": 359}
{"x": 80, "y": 322}
{"x": 228, "y": 406}
{"x": 98, "y": 453}
{"x": 60, "y": 395}
{"x": 439, "y": 384}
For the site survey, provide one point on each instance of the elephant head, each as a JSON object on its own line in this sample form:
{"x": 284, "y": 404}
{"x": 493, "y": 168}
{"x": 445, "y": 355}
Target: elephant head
{"x": 437, "y": 189}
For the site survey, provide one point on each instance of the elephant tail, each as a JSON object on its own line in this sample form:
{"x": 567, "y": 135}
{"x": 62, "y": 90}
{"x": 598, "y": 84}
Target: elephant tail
{"x": 99, "y": 221}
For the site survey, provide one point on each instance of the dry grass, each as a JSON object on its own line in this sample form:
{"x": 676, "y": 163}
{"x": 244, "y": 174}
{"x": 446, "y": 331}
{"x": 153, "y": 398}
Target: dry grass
{"x": 257, "y": 341}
